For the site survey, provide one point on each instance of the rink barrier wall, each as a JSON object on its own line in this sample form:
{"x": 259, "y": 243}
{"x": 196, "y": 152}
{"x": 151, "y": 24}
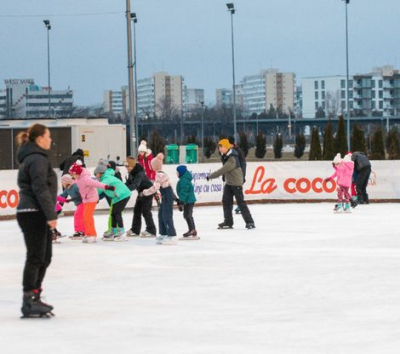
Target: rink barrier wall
{"x": 266, "y": 182}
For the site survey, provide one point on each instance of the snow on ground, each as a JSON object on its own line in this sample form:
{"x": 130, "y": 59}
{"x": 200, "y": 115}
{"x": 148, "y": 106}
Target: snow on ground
{"x": 305, "y": 281}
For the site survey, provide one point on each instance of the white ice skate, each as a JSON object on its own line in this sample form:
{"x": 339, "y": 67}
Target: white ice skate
{"x": 146, "y": 234}
{"x": 130, "y": 233}
{"x": 170, "y": 240}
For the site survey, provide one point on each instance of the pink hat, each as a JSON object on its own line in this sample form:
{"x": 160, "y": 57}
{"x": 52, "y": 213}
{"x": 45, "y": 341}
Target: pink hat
{"x": 67, "y": 179}
{"x": 157, "y": 162}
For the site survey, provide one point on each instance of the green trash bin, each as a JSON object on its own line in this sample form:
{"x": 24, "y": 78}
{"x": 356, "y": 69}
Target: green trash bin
{"x": 191, "y": 153}
{"x": 172, "y": 154}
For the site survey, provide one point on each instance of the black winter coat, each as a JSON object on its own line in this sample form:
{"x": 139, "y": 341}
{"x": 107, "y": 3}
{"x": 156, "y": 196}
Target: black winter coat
{"x": 138, "y": 180}
{"x": 37, "y": 181}
{"x": 69, "y": 161}
{"x": 360, "y": 160}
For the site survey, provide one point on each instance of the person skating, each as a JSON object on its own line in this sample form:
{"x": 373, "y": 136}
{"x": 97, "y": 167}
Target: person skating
{"x": 187, "y": 199}
{"x": 88, "y": 191}
{"x": 233, "y": 174}
{"x": 162, "y": 183}
{"x": 137, "y": 180}
{"x": 120, "y": 196}
{"x": 36, "y": 214}
{"x": 363, "y": 167}
{"x": 78, "y": 155}
{"x": 144, "y": 158}
{"x": 71, "y": 194}
{"x": 242, "y": 162}
{"x": 343, "y": 173}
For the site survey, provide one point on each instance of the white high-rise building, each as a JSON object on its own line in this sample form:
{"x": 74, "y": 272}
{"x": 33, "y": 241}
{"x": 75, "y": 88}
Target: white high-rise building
{"x": 161, "y": 95}
{"x": 193, "y": 99}
{"x": 269, "y": 87}
{"x": 22, "y": 98}
{"x": 116, "y": 101}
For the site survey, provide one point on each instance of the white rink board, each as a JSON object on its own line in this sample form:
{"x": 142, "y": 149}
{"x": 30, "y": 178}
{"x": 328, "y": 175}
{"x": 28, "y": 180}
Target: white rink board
{"x": 293, "y": 180}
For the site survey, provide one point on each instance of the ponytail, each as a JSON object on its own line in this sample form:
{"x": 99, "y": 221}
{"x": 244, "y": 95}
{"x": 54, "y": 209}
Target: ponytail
{"x": 31, "y": 134}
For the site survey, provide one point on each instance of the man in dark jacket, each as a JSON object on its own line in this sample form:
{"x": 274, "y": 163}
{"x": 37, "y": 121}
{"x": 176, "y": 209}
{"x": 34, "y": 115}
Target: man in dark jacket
{"x": 70, "y": 160}
{"x": 232, "y": 171}
{"x": 137, "y": 180}
{"x": 362, "y": 166}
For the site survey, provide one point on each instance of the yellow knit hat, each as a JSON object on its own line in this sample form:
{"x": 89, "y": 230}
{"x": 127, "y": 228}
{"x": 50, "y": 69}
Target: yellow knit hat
{"x": 225, "y": 143}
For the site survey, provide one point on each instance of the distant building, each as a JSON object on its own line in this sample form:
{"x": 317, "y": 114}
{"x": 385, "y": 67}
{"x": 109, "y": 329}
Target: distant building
{"x": 161, "y": 95}
{"x": 116, "y": 102}
{"x": 377, "y": 92}
{"x": 193, "y": 100}
{"x": 22, "y": 98}
{"x": 223, "y": 97}
{"x": 269, "y": 87}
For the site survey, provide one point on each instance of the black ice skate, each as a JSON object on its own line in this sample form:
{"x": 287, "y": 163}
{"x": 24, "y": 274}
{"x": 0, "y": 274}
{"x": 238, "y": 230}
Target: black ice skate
{"x": 33, "y": 307}
{"x": 222, "y": 225}
{"x": 250, "y": 225}
{"x": 190, "y": 235}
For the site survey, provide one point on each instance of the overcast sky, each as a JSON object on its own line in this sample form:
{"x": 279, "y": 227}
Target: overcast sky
{"x": 191, "y": 38}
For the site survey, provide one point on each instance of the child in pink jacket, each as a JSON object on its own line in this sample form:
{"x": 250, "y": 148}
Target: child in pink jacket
{"x": 343, "y": 173}
{"x": 88, "y": 191}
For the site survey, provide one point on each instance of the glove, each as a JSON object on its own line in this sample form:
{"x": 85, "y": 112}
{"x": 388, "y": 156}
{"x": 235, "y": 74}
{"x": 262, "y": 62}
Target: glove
{"x": 208, "y": 178}
{"x": 109, "y": 188}
{"x": 180, "y": 207}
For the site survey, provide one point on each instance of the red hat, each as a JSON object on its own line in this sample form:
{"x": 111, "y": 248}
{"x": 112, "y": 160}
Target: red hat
{"x": 76, "y": 169}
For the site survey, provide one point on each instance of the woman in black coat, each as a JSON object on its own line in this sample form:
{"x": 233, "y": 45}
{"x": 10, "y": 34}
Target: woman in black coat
{"x": 36, "y": 213}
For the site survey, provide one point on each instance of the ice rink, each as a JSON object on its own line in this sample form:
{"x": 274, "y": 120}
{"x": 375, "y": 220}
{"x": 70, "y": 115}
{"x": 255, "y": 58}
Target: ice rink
{"x": 305, "y": 280}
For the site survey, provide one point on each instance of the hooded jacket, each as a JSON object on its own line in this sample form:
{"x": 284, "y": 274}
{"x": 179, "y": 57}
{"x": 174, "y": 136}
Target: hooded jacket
{"x": 343, "y": 173}
{"x": 87, "y": 187}
{"x": 121, "y": 190}
{"x": 360, "y": 160}
{"x": 231, "y": 169}
{"x": 185, "y": 189}
{"x": 37, "y": 181}
{"x": 138, "y": 180}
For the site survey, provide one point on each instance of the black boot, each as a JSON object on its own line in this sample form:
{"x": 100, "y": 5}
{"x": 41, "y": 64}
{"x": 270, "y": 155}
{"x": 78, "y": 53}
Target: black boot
{"x": 224, "y": 225}
{"x": 38, "y": 293}
{"x": 190, "y": 233}
{"x": 32, "y": 306}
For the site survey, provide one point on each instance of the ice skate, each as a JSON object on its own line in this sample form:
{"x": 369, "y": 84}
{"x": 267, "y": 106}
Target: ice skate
{"x": 76, "y": 236}
{"x": 89, "y": 239}
{"x": 338, "y": 208}
{"x": 159, "y": 239}
{"x": 353, "y": 202}
{"x": 130, "y": 233}
{"x": 346, "y": 208}
{"x": 146, "y": 234}
{"x": 223, "y": 225}
{"x": 108, "y": 233}
{"x": 33, "y": 307}
{"x": 120, "y": 238}
{"x": 190, "y": 235}
{"x": 250, "y": 225}
{"x": 169, "y": 240}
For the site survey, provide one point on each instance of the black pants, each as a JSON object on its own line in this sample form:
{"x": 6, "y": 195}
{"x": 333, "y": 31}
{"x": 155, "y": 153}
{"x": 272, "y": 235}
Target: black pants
{"x": 116, "y": 214}
{"x": 38, "y": 241}
{"x": 143, "y": 207}
{"x": 362, "y": 183}
{"x": 227, "y": 202}
{"x": 188, "y": 215}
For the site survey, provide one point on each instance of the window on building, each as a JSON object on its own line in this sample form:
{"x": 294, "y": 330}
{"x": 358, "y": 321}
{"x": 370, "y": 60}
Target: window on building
{"x": 342, "y": 94}
{"x": 342, "y": 83}
{"x": 316, "y": 85}
{"x": 373, "y": 105}
{"x": 323, "y": 95}
{"x": 350, "y": 83}
{"x": 316, "y": 106}
{"x": 380, "y": 83}
{"x": 380, "y": 94}
{"x": 316, "y": 95}
{"x": 343, "y": 105}
{"x": 373, "y": 93}
{"x": 351, "y": 104}
{"x": 323, "y": 84}
{"x": 351, "y": 94}
{"x": 380, "y": 104}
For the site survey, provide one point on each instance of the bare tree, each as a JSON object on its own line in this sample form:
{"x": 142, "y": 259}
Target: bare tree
{"x": 166, "y": 109}
{"x": 332, "y": 103}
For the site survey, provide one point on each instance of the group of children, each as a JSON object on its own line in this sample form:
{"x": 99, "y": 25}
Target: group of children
{"x": 145, "y": 175}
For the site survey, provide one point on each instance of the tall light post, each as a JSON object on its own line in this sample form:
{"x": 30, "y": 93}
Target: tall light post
{"x": 48, "y": 26}
{"x": 130, "y": 79}
{"x": 232, "y": 10}
{"x": 202, "y": 131}
{"x": 346, "y": 2}
{"x": 134, "y": 19}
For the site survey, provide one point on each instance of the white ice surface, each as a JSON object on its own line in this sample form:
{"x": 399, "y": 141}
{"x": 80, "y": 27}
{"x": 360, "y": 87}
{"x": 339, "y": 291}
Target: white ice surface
{"x": 305, "y": 281}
